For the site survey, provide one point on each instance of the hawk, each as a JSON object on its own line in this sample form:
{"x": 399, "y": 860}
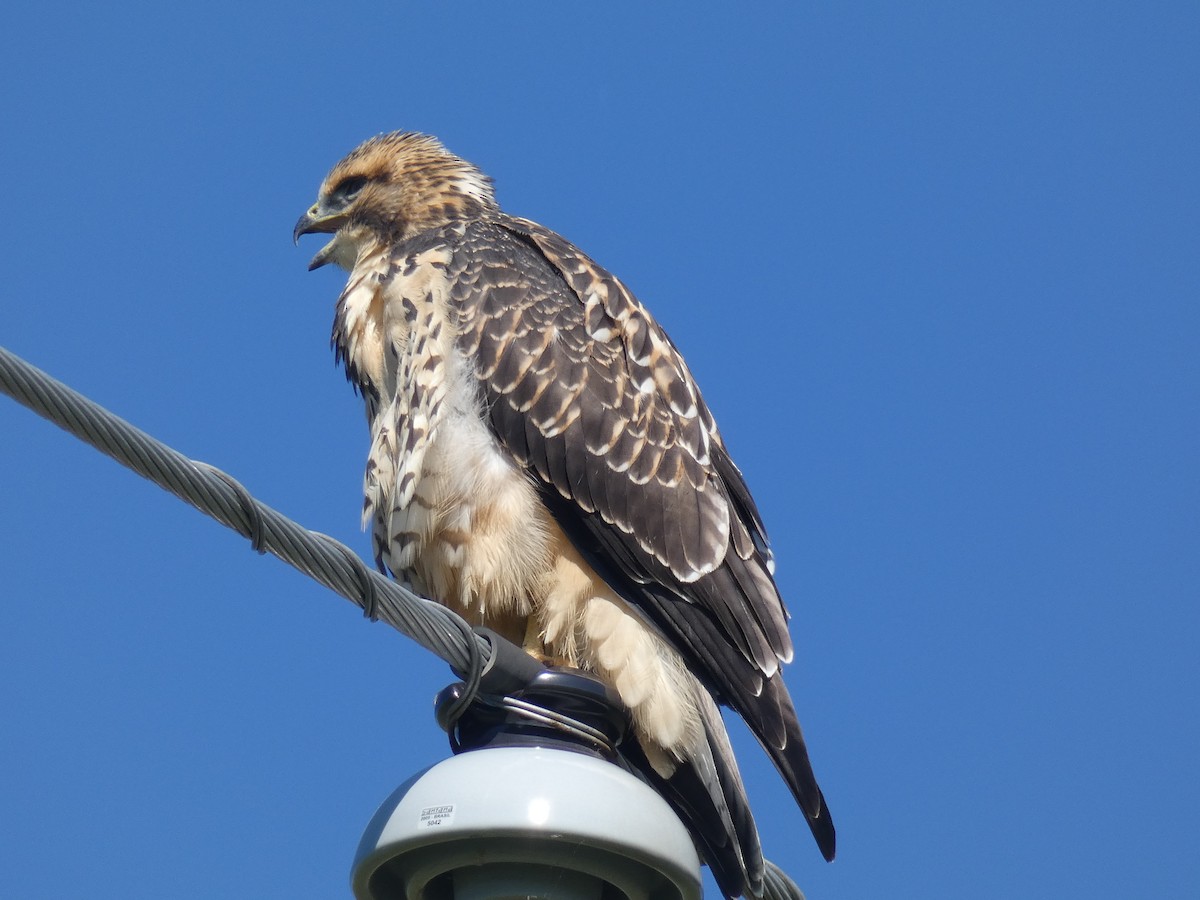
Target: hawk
{"x": 542, "y": 463}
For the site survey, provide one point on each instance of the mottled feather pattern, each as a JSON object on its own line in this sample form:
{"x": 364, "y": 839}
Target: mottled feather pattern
{"x": 656, "y": 479}
{"x": 542, "y": 461}
{"x": 586, "y": 377}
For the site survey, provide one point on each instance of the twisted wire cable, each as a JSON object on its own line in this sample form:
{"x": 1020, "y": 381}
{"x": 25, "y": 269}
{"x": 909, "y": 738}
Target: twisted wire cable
{"x": 218, "y": 495}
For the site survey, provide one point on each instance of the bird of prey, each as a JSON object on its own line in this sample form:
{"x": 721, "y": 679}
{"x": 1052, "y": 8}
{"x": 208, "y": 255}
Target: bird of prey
{"x": 542, "y": 463}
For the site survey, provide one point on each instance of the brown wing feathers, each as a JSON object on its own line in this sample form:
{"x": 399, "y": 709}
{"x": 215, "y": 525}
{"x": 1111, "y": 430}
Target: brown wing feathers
{"x": 653, "y": 500}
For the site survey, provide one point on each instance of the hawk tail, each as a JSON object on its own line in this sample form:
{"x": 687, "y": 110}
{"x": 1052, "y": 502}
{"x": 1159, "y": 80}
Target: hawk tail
{"x": 707, "y": 794}
{"x": 790, "y": 756}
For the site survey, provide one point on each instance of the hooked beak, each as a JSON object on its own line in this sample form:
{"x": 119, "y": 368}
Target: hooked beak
{"x": 316, "y": 221}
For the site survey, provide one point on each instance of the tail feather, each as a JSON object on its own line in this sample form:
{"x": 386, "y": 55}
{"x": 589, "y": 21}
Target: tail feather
{"x": 791, "y": 758}
{"x": 706, "y": 792}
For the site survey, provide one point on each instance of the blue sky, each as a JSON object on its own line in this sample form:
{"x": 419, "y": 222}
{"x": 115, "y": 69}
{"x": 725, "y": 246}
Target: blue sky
{"x": 936, "y": 267}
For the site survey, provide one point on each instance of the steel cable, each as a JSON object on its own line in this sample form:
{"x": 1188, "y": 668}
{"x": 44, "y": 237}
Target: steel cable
{"x": 220, "y": 496}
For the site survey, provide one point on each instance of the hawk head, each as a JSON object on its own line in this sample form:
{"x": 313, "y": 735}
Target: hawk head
{"x": 390, "y": 188}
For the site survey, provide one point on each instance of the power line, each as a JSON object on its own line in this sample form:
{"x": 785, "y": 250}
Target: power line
{"x": 218, "y": 495}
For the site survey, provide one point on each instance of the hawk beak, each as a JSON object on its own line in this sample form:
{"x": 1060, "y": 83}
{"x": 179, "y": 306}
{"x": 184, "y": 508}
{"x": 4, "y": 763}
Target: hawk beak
{"x": 314, "y": 221}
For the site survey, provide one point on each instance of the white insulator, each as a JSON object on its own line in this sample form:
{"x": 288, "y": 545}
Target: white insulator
{"x": 529, "y": 823}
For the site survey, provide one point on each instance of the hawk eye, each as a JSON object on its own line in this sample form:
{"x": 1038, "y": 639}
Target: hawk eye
{"x": 349, "y": 188}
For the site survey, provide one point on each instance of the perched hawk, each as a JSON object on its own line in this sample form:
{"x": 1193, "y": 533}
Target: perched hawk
{"x": 542, "y": 462}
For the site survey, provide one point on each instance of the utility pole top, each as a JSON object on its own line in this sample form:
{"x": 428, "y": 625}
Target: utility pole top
{"x": 534, "y": 805}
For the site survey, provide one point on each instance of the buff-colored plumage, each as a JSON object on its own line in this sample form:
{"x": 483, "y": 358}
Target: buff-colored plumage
{"x": 531, "y": 428}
